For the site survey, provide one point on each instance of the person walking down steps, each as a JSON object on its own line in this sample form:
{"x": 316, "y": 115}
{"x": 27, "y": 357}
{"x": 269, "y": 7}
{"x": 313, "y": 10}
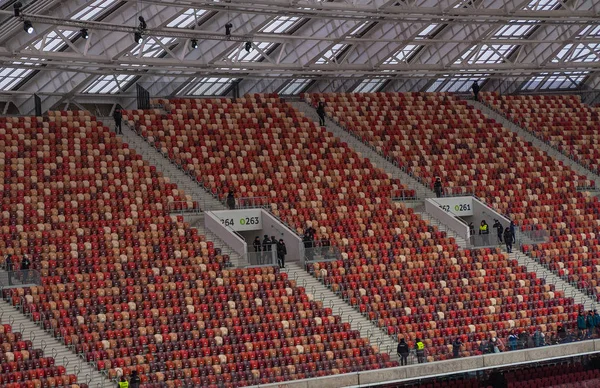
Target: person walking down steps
{"x": 403, "y": 351}
{"x": 321, "y": 113}
{"x": 118, "y": 116}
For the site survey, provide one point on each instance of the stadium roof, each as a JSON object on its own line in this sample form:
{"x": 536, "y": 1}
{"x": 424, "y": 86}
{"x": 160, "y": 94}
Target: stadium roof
{"x": 289, "y": 46}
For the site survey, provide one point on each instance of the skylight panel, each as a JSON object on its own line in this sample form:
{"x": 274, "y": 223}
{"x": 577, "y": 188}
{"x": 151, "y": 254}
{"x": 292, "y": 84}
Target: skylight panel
{"x": 403, "y": 55}
{"x": 428, "y": 32}
{"x": 543, "y": 5}
{"x": 11, "y": 77}
{"x": 457, "y": 84}
{"x": 280, "y": 25}
{"x": 94, "y": 10}
{"x": 332, "y": 54}
{"x": 495, "y": 53}
{"x": 579, "y": 53}
{"x": 53, "y": 41}
{"x": 516, "y": 30}
{"x": 295, "y": 86}
{"x": 591, "y": 31}
{"x": 358, "y": 29}
{"x": 255, "y": 53}
{"x": 187, "y": 18}
{"x": 210, "y": 86}
{"x": 556, "y": 81}
{"x": 152, "y": 47}
{"x": 109, "y": 84}
{"x": 370, "y": 85}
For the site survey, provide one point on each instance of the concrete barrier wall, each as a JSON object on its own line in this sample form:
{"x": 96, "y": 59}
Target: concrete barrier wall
{"x": 212, "y": 223}
{"x": 444, "y": 368}
{"x": 447, "y": 218}
{"x": 273, "y": 227}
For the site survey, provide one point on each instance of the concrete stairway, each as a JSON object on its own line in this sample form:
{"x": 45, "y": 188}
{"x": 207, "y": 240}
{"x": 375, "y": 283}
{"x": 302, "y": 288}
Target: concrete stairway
{"x": 537, "y": 142}
{"x": 169, "y": 169}
{"x": 461, "y": 242}
{"x": 366, "y": 151}
{"x": 552, "y": 278}
{"x": 52, "y": 347}
{"x": 349, "y": 314}
{"x": 184, "y": 181}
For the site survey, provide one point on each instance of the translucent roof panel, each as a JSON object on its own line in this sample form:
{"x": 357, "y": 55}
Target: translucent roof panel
{"x": 152, "y": 47}
{"x": 494, "y": 53}
{"x": 359, "y": 28}
{"x": 543, "y": 5}
{"x": 370, "y": 85}
{"x": 556, "y": 81}
{"x": 588, "y": 52}
{"x": 457, "y": 85}
{"x": 280, "y": 25}
{"x": 11, "y": 77}
{"x": 209, "y": 86}
{"x": 593, "y": 30}
{"x": 428, "y": 32}
{"x": 109, "y": 84}
{"x": 332, "y": 54}
{"x": 94, "y": 9}
{"x": 254, "y": 55}
{"x": 187, "y": 18}
{"x": 295, "y": 87}
{"x": 53, "y": 41}
{"x": 403, "y": 55}
{"x": 516, "y": 30}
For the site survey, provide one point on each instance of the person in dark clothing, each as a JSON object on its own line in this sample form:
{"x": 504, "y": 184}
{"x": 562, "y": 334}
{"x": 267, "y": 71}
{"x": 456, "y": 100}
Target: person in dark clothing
{"x": 597, "y": 322}
{"x": 266, "y": 249}
{"x": 499, "y": 229}
{"x": 311, "y": 232}
{"x": 512, "y": 341}
{"x": 512, "y": 231}
{"x": 484, "y": 231}
{"x": 456, "y": 345}
{"x": 523, "y": 339}
{"x": 134, "y": 381}
{"x": 475, "y": 89}
{"x": 589, "y": 323}
{"x": 25, "y": 264}
{"x": 484, "y": 347}
{"x": 9, "y": 268}
{"x": 403, "y": 352}
{"x": 308, "y": 246}
{"x": 508, "y": 239}
{"x": 257, "y": 249}
{"x": 581, "y": 325}
{"x": 231, "y": 200}
{"x": 471, "y": 229}
{"x": 321, "y": 113}
{"x": 281, "y": 252}
{"x": 561, "y": 333}
{"x": 437, "y": 187}
{"x": 325, "y": 244}
{"x": 118, "y": 116}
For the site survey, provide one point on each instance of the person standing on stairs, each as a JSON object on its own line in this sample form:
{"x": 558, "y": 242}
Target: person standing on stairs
{"x": 512, "y": 231}
{"x": 257, "y": 245}
{"x": 508, "y": 239}
{"x": 118, "y": 116}
{"x": 499, "y": 229}
{"x": 484, "y": 231}
{"x": 475, "y": 89}
{"x": 403, "y": 352}
{"x": 25, "y": 264}
{"x": 437, "y": 187}
{"x": 134, "y": 381}
{"x": 321, "y": 113}
{"x": 231, "y": 200}
{"x": 281, "y": 252}
{"x": 9, "y": 268}
{"x": 420, "y": 348}
{"x": 266, "y": 248}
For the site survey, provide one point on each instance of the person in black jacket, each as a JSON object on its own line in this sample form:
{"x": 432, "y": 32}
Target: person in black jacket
{"x": 118, "y": 116}
{"x": 456, "y": 345}
{"x": 266, "y": 248}
{"x": 9, "y": 268}
{"x": 231, "y": 200}
{"x": 134, "y": 381}
{"x": 475, "y": 89}
{"x": 499, "y": 229}
{"x": 437, "y": 187}
{"x": 281, "y": 252}
{"x": 508, "y": 239}
{"x": 25, "y": 264}
{"x": 321, "y": 113}
{"x": 403, "y": 351}
{"x": 257, "y": 246}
